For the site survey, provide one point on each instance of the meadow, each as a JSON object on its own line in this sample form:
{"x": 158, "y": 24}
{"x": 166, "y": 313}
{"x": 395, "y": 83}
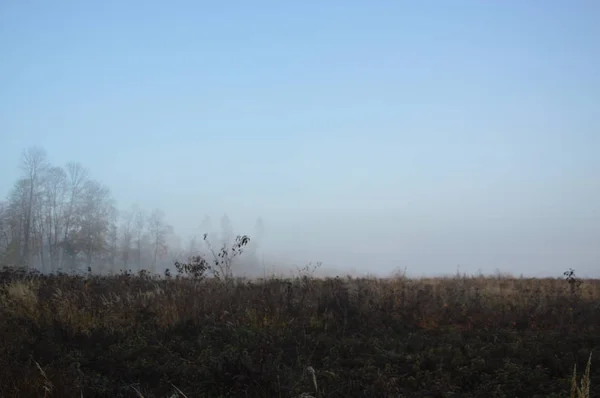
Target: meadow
{"x": 146, "y": 336}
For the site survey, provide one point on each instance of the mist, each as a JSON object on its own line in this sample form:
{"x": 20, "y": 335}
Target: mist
{"x": 372, "y": 140}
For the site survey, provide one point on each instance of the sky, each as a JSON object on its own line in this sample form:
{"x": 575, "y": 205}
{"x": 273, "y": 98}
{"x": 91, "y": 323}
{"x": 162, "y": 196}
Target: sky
{"x": 369, "y": 135}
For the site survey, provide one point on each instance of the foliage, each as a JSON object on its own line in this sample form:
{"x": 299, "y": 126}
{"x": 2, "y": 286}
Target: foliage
{"x": 222, "y": 263}
{"x": 196, "y": 267}
{"x": 572, "y": 280}
{"x": 140, "y": 335}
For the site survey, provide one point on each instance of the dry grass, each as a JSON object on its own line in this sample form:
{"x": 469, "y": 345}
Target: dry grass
{"x": 582, "y": 391}
{"x": 445, "y": 337}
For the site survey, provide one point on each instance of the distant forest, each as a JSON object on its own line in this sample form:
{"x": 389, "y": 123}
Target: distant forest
{"x": 61, "y": 219}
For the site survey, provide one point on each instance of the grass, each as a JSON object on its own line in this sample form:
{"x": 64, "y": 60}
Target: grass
{"x": 125, "y": 336}
{"x": 582, "y": 391}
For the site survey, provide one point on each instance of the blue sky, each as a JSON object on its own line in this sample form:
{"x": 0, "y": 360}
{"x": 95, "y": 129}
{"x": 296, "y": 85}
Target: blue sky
{"x": 369, "y": 135}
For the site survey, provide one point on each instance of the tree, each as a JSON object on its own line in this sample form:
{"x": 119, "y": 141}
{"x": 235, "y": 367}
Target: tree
{"x": 113, "y": 246}
{"x": 55, "y": 191}
{"x": 10, "y": 233}
{"x": 18, "y": 204}
{"x": 33, "y": 164}
{"x": 259, "y": 229}
{"x": 158, "y": 230}
{"x": 127, "y": 219}
{"x": 38, "y": 228}
{"x": 5, "y": 234}
{"x": 207, "y": 228}
{"x": 139, "y": 220}
{"x": 77, "y": 175}
{"x": 226, "y": 230}
{"x": 59, "y": 217}
{"x": 252, "y": 261}
{"x": 94, "y": 217}
{"x": 193, "y": 246}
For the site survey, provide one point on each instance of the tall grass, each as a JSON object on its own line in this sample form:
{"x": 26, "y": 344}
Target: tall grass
{"x": 583, "y": 390}
{"x": 65, "y": 336}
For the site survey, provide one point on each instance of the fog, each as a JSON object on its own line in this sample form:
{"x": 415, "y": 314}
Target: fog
{"x": 370, "y": 138}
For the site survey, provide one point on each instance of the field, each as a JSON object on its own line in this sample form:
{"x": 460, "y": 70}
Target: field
{"x": 131, "y": 336}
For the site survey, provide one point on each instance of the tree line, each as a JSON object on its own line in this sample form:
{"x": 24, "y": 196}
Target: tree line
{"x": 60, "y": 218}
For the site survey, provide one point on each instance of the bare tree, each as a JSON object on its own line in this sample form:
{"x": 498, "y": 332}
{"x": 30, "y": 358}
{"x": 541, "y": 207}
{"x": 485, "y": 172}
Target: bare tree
{"x": 193, "y": 246}
{"x": 5, "y": 235}
{"x": 95, "y": 214}
{"x": 77, "y": 175}
{"x": 252, "y": 262}
{"x": 139, "y": 221}
{"x": 113, "y": 246}
{"x": 17, "y": 209}
{"x": 33, "y": 164}
{"x": 226, "y": 230}
{"x": 207, "y": 228}
{"x": 175, "y": 247}
{"x": 38, "y": 228}
{"x": 55, "y": 190}
{"x": 60, "y": 216}
{"x": 259, "y": 228}
{"x": 127, "y": 230}
{"x": 158, "y": 230}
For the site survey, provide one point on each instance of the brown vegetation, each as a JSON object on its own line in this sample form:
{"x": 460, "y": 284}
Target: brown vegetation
{"x": 126, "y": 336}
